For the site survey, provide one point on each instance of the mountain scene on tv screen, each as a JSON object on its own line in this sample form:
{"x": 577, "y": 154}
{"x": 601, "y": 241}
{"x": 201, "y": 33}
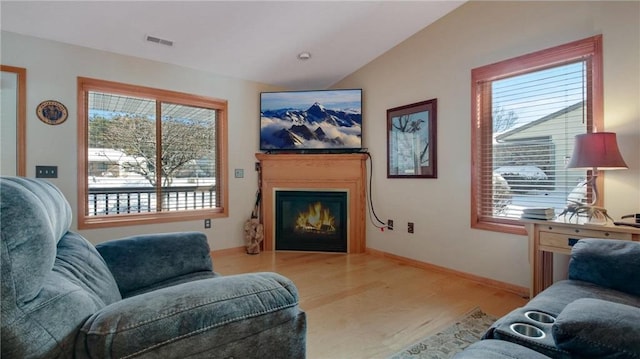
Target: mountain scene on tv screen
{"x": 311, "y": 120}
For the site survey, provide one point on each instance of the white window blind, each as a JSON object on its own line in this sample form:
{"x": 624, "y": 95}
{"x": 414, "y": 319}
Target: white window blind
{"x": 535, "y": 118}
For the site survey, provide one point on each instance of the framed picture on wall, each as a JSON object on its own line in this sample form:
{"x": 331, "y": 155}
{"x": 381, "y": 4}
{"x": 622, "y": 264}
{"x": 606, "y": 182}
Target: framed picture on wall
{"x": 411, "y": 140}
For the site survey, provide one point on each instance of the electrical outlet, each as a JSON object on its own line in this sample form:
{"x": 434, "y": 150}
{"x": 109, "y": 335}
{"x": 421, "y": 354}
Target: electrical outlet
{"x": 239, "y": 173}
{"x": 410, "y": 227}
{"x": 207, "y": 223}
{"x": 257, "y": 166}
{"x": 46, "y": 171}
{"x": 390, "y": 224}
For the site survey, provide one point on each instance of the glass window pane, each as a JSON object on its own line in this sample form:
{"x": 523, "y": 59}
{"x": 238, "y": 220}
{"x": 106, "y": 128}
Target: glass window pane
{"x": 535, "y": 119}
{"x": 149, "y": 155}
{"x": 121, "y": 154}
{"x": 188, "y": 157}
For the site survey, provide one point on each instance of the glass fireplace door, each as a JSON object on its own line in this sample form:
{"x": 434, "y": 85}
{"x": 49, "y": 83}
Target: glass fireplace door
{"x": 311, "y": 220}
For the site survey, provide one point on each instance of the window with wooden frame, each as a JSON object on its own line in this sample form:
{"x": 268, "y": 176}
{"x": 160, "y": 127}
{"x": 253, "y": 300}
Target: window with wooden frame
{"x": 148, "y": 155}
{"x": 526, "y": 112}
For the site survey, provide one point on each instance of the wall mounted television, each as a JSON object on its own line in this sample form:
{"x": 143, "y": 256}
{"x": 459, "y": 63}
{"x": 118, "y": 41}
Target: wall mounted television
{"x": 311, "y": 121}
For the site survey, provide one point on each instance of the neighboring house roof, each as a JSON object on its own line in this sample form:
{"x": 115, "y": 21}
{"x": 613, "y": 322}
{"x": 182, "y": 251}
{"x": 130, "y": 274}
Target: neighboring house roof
{"x": 546, "y": 118}
{"x": 109, "y": 155}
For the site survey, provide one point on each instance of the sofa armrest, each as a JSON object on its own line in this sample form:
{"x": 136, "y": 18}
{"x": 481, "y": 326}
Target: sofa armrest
{"x": 608, "y": 263}
{"x": 594, "y": 328}
{"x": 208, "y": 318}
{"x": 142, "y": 261}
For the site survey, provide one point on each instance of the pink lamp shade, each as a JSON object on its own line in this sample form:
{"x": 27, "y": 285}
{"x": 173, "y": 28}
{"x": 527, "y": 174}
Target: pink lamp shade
{"x": 597, "y": 150}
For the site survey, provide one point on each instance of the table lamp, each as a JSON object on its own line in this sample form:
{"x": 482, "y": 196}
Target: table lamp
{"x": 596, "y": 151}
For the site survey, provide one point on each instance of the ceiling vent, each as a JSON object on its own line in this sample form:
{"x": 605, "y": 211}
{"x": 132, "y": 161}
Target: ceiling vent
{"x": 159, "y": 41}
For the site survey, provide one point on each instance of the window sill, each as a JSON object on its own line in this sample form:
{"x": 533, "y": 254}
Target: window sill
{"x": 508, "y": 226}
{"x": 148, "y": 218}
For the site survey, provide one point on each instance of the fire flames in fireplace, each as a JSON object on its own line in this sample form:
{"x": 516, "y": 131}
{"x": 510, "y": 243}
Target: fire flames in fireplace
{"x": 317, "y": 219}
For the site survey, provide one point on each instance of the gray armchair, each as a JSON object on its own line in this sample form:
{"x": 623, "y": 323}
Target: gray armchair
{"x": 152, "y": 296}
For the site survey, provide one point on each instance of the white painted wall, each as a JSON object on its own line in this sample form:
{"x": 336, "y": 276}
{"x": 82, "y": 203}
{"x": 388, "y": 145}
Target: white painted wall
{"x": 437, "y": 63}
{"x": 8, "y": 123}
{"x": 52, "y": 71}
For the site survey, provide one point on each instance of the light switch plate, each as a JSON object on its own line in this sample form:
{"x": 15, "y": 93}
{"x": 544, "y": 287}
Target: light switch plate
{"x": 239, "y": 173}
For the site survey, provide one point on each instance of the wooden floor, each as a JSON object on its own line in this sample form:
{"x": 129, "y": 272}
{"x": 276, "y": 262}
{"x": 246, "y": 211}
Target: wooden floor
{"x": 365, "y": 306}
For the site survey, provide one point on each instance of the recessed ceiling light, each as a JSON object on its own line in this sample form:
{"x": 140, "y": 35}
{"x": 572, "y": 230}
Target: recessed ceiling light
{"x": 304, "y": 56}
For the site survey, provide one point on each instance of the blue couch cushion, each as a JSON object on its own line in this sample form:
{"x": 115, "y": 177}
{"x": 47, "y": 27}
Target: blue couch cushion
{"x": 45, "y": 271}
{"x": 555, "y": 298}
{"x": 147, "y": 262}
{"x": 609, "y": 263}
{"x": 180, "y": 320}
{"x": 595, "y": 328}
{"x": 35, "y": 215}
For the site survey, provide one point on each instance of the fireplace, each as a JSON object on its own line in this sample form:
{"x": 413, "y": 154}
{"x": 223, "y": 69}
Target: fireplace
{"x": 311, "y": 220}
{"x": 317, "y": 173}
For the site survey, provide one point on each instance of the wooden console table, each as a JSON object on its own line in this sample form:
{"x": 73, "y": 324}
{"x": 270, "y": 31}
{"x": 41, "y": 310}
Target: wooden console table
{"x": 549, "y": 237}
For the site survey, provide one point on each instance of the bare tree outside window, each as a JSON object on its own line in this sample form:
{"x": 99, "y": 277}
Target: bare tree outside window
{"x": 185, "y": 144}
{"x": 503, "y": 119}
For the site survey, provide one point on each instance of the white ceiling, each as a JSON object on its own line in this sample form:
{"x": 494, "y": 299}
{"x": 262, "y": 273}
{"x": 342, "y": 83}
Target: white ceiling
{"x": 251, "y": 40}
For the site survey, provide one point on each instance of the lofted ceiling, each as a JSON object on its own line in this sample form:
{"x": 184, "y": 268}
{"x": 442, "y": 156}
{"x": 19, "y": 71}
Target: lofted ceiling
{"x": 251, "y": 40}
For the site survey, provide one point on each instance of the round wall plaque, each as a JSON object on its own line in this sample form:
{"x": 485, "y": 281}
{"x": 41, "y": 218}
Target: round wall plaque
{"x": 52, "y": 112}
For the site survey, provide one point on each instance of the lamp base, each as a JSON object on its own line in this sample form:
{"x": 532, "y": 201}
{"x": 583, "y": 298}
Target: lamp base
{"x": 593, "y": 214}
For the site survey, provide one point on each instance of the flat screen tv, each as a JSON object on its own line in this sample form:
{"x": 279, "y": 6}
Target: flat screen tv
{"x": 322, "y": 120}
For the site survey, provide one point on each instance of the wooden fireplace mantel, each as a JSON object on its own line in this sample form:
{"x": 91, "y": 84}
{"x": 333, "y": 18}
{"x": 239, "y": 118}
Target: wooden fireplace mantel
{"x": 316, "y": 172}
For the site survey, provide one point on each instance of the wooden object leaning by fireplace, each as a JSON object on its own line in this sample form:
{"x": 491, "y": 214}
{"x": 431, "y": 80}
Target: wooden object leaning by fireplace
{"x": 316, "y": 172}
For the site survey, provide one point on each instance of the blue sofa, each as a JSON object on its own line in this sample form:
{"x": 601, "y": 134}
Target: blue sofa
{"x": 595, "y": 313}
{"x": 150, "y": 296}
